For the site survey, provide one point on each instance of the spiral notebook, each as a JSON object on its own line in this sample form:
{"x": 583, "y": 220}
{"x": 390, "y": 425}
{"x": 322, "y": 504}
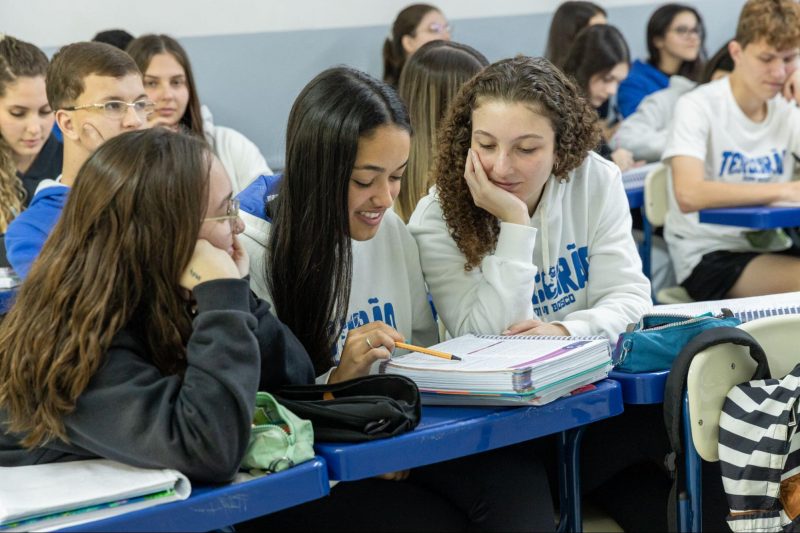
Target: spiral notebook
{"x": 498, "y": 370}
{"x": 745, "y": 309}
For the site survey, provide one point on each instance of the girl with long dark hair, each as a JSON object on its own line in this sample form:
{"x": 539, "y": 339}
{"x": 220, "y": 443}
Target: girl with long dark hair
{"x": 675, "y": 46}
{"x": 414, "y": 26}
{"x": 344, "y": 275}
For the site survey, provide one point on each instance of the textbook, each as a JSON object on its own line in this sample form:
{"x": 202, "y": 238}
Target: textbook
{"x": 634, "y": 178}
{"x": 504, "y": 370}
{"x": 745, "y": 309}
{"x": 59, "y": 495}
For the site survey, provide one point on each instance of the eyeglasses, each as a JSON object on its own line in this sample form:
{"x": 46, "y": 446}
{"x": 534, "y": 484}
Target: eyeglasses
{"x": 437, "y": 28}
{"x": 686, "y": 31}
{"x": 117, "y": 108}
{"x": 231, "y": 214}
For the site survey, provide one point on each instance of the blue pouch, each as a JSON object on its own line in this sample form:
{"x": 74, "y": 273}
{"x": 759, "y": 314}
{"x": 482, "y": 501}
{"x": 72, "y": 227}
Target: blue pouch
{"x": 654, "y": 342}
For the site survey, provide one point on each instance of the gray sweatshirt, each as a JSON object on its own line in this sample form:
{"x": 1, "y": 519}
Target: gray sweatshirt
{"x": 198, "y": 424}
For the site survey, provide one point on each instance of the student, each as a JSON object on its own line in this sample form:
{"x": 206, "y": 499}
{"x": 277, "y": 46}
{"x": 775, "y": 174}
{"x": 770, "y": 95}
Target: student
{"x": 526, "y": 232}
{"x": 414, "y": 26}
{"x": 428, "y": 83}
{"x": 28, "y": 153}
{"x": 732, "y": 143}
{"x": 569, "y": 19}
{"x": 644, "y": 133}
{"x": 675, "y": 44}
{"x": 599, "y": 60}
{"x": 169, "y": 83}
{"x": 344, "y": 275}
{"x": 96, "y": 92}
{"x": 165, "y": 347}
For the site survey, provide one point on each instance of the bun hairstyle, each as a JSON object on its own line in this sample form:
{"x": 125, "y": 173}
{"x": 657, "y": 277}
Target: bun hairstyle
{"x": 394, "y": 55}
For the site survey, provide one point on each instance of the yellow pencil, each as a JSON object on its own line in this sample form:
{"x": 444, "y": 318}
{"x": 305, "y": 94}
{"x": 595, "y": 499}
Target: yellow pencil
{"x": 427, "y": 351}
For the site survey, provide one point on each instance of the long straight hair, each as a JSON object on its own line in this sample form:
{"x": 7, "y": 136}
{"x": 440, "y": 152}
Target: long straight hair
{"x": 18, "y": 59}
{"x": 142, "y": 49}
{"x": 570, "y": 18}
{"x": 105, "y": 267}
{"x": 431, "y": 78}
{"x": 658, "y": 26}
{"x": 596, "y": 50}
{"x": 309, "y": 256}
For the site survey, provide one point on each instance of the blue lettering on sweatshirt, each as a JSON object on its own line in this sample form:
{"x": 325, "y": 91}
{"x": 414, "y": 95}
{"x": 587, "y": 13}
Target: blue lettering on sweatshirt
{"x": 557, "y": 284}
{"x": 759, "y": 168}
{"x": 361, "y": 317}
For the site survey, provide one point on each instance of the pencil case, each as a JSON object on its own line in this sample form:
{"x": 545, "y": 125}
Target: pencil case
{"x": 654, "y": 342}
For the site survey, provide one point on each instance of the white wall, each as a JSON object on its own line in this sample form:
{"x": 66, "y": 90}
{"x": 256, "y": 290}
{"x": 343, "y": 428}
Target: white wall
{"x": 52, "y": 23}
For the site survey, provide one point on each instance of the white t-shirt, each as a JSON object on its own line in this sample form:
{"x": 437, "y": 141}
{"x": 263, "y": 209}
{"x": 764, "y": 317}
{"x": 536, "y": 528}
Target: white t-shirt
{"x": 387, "y": 280}
{"x": 709, "y": 125}
{"x": 575, "y": 263}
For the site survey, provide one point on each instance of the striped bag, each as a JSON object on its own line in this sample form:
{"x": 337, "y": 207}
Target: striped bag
{"x": 759, "y": 453}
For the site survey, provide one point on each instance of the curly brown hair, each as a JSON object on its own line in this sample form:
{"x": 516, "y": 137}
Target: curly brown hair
{"x": 777, "y": 21}
{"x": 535, "y": 82}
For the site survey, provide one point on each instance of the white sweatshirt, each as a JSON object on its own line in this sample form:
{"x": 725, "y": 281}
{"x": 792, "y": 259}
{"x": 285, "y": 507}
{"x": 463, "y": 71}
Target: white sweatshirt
{"x": 387, "y": 280}
{"x": 644, "y": 133}
{"x": 581, "y": 224}
{"x": 241, "y": 158}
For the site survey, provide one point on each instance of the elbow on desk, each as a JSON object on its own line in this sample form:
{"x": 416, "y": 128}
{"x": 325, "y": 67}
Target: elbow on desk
{"x": 687, "y": 201}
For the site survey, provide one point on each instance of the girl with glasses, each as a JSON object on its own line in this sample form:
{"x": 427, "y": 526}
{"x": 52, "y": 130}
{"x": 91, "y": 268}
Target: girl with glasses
{"x": 676, "y": 46}
{"x": 28, "y": 152}
{"x": 414, "y": 26}
{"x": 165, "y": 347}
{"x": 343, "y": 273}
{"x": 169, "y": 83}
{"x": 569, "y": 19}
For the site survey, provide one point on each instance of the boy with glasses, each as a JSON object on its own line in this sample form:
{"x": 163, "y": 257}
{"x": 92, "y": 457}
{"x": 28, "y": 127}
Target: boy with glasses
{"x": 97, "y": 93}
{"x": 732, "y": 143}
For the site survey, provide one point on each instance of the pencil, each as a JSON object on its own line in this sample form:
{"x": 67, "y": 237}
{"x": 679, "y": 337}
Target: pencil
{"x": 427, "y": 351}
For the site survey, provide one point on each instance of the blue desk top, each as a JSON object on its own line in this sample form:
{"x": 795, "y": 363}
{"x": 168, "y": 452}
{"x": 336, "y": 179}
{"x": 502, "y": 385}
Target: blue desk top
{"x": 6, "y": 296}
{"x": 211, "y": 508}
{"x": 644, "y": 388}
{"x": 635, "y": 196}
{"x": 756, "y": 217}
{"x": 449, "y": 432}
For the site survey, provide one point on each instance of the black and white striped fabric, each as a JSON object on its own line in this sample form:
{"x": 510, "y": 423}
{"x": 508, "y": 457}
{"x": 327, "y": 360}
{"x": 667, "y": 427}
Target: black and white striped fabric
{"x": 759, "y": 449}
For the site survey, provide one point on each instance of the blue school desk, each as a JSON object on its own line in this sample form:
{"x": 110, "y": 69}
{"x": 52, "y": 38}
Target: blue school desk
{"x": 449, "y": 432}
{"x": 216, "y": 507}
{"x": 756, "y": 217}
{"x": 635, "y": 194}
{"x": 641, "y": 388}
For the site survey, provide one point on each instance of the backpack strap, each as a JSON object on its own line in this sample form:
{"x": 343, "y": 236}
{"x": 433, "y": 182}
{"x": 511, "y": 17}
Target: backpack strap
{"x": 673, "y": 399}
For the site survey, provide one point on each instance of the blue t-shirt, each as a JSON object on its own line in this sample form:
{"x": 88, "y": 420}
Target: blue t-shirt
{"x": 642, "y": 80}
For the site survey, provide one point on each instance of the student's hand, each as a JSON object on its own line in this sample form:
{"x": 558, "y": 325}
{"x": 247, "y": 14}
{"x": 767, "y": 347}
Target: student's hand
{"x": 791, "y": 89}
{"x": 791, "y": 192}
{"x": 400, "y": 475}
{"x": 91, "y": 138}
{"x": 364, "y": 346}
{"x": 208, "y": 263}
{"x": 490, "y": 197}
{"x": 624, "y": 159}
{"x": 534, "y": 326}
{"x": 240, "y": 257}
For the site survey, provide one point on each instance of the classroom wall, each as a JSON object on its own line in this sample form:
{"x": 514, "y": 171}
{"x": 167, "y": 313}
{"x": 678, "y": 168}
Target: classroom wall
{"x": 251, "y": 57}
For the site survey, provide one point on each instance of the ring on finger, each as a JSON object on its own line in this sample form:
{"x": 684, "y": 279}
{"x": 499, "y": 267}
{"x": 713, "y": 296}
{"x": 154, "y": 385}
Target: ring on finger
{"x": 371, "y": 347}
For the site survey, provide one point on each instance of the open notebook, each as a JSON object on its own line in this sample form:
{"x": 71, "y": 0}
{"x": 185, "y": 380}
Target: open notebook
{"x": 745, "y": 309}
{"x": 59, "y": 495}
{"x": 498, "y": 370}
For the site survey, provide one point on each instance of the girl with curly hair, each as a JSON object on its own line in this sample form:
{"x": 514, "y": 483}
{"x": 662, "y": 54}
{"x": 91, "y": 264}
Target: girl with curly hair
{"x": 28, "y": 153}
{"x": 528, "y": 230}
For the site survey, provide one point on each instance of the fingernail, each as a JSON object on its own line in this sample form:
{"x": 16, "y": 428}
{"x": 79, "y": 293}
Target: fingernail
{"x": 506, "y": 332}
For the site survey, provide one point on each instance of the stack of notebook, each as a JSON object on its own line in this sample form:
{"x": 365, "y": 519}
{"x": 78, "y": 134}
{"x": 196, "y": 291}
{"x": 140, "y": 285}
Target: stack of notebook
{"x": 744, "y": 309}
{"x": 500, "y": 370}
{"x": 59, "y": 495}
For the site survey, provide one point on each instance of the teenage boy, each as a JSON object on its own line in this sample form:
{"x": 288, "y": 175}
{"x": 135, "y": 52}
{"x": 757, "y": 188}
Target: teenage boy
{"x": 97, "y": 93}
{"x": 734, "y": 142}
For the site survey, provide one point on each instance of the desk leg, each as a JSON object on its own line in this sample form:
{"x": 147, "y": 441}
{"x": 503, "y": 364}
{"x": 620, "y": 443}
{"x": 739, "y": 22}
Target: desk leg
{"x": 569, "y": 480}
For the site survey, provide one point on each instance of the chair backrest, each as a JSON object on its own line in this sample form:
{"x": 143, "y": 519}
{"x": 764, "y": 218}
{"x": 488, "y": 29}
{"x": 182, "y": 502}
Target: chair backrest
{"x": 715, "y": 371}
{"x": 655, "y": 195}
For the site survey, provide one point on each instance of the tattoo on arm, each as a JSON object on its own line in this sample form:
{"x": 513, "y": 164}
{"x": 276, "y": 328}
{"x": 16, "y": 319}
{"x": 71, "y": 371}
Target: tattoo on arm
{"x": 194, "y": 274}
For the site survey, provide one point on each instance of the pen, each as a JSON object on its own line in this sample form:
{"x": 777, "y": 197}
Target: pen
{"x": 427, "y": 351}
